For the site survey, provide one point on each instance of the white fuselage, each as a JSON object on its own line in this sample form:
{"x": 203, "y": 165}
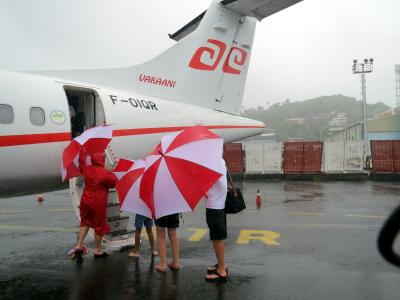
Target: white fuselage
{"x": 30, "y": 155}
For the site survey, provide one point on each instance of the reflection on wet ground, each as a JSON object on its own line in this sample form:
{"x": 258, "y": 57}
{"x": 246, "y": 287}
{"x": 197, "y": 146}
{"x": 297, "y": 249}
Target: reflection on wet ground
{"x": 306, "y": 197}
{"x": 385, "y": 189}
{"x": 303, "y": 191}
{"x": 309, "y": 240}
{"x": 103, "y": 279}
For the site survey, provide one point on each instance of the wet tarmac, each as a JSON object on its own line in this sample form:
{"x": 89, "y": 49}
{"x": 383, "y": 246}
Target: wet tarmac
{"x": 309, "y": 240}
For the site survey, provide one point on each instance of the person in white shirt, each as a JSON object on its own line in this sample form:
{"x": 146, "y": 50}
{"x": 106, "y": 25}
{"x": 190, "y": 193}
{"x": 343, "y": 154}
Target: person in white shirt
{"x": 216, "y": 221}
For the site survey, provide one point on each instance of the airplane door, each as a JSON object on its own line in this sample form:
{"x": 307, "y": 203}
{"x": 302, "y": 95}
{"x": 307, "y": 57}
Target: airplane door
{"x": 85, "y": 109}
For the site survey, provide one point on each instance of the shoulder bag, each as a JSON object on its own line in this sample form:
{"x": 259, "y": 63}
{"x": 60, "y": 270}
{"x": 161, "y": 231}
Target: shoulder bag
{"x": 234, "y": 202}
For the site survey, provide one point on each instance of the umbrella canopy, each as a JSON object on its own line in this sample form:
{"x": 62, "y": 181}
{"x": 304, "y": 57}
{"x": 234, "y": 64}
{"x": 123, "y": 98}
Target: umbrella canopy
{"x": 128, "y": 190}
{"x": 95, "y": 139}
{"x": 123, "y": 165}
{"x": 180, "y": 170}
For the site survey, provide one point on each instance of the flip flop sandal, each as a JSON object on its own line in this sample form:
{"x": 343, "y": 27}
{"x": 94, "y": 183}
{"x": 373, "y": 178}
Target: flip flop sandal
{"x": 218, "y": 279}
{"x": 132, "y": 254}
{"x": 173, "y": 268}
{"x": 85, "y": 250}
{"x": 72, "y": 251}
{"x": 161, "y": 270}
{"x": 213, "y": 269}
{"x": 102, "y": 255}
{"x": 77, "y": 254}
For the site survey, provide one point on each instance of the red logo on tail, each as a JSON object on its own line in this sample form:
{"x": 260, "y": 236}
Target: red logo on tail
{"x": 196, "y": 61}
{"x": 214, "y": 52}
{"x": 237, "y": 57}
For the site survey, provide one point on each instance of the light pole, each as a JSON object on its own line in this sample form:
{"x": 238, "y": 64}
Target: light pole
{"x": 363, "y": 67}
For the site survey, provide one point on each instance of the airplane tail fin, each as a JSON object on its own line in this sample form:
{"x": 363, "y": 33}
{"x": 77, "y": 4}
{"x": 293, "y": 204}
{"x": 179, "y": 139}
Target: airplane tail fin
{"x": 207, "y": 66}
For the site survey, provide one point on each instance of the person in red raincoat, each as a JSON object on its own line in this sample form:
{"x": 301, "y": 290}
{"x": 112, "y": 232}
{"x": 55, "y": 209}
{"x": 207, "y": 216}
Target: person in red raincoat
{"x": 93, "y": 206}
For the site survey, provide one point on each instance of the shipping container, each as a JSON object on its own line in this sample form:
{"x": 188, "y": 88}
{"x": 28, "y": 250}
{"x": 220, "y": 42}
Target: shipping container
{"x": 385, "y": 156}
{"x": 302, "y": 157}
{"x": 233, "y": 155}
{"x": 293, "y": 157}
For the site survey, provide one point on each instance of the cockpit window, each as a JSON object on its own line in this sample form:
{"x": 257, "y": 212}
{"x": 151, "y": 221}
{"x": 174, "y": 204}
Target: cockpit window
{"x": 6, "y": 114}
{"x": 37, "y": 116}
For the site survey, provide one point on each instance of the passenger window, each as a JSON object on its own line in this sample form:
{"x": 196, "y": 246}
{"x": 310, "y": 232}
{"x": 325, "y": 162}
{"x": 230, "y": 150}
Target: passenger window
{"x": 6, "y": 114}
{"x": 37, "y": 116}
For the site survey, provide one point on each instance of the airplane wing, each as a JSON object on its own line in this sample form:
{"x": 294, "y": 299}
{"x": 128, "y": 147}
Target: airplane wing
{"x": 258, "y": 9}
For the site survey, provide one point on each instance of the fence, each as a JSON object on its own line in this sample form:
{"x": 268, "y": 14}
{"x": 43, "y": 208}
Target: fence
{"x": 343, "y": 156}
{"x": 233, "y": 155}
{"x": 311, "y": 157}
{"x": 385, "y": 156}
{"x": 263, "y": 158}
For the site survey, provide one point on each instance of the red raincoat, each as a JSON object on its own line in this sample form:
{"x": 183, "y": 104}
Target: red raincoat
{"x": 93, "y": 207}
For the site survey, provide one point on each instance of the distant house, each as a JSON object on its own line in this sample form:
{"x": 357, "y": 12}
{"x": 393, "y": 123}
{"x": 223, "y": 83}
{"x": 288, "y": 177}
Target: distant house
{"x": 323, "y": 116}
{"x": 338, "y": 122}
{"x": 297, "y": 121}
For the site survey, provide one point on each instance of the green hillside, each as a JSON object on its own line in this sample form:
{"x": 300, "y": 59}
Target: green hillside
{"x": 316, "y": 113}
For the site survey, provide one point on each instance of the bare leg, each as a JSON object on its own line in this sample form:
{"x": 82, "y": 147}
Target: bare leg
{"x": 162, "y": 250}
{"x": 136, "y": 252}
{"x": 173, "y": 238}
{"x": 83, "y": 231}
{"x": 97, "y": 244}
{"x": 150, "y": 234}
{"x": 220, "y": 254}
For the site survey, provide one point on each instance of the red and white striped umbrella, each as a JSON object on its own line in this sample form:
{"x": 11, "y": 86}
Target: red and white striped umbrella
{"x": 128, "y": 190}
{"x": 95, "y": 139}
{"x": 122, "y": 167}
{"x": 180, "y": 170}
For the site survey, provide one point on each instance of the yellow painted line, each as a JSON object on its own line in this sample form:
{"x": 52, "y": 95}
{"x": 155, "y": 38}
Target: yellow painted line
{"x": 367, "y": 216}
{"x": 33, "y": 228}
{"x": 61, "y": 209}
{"x": 15, "y": 211}
{"x": 307, "y": 213}
{"x": 198, "y": 234}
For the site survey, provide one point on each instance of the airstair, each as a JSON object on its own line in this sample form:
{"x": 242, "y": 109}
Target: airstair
{"x": 119, "y": 236}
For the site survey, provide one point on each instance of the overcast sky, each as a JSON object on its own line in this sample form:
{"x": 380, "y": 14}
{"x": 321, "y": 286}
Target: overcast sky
{"x": 303, "y": 52}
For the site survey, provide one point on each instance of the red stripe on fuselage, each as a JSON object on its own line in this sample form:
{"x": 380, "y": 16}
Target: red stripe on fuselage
{"x": 30, "y": 139}
{"x": 140, "y": 131}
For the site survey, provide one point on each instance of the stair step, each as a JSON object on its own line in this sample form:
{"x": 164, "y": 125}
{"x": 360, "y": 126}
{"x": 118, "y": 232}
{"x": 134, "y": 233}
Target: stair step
{"x": 117, "y": 218}
{"x": 118, "y": 223}
{"x": 121, "y": 234}
{"x": 113, "y": 210}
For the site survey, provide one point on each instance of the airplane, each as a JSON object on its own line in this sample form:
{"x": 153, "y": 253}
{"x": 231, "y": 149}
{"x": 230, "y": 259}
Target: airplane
{"x": 199, "y": 80}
